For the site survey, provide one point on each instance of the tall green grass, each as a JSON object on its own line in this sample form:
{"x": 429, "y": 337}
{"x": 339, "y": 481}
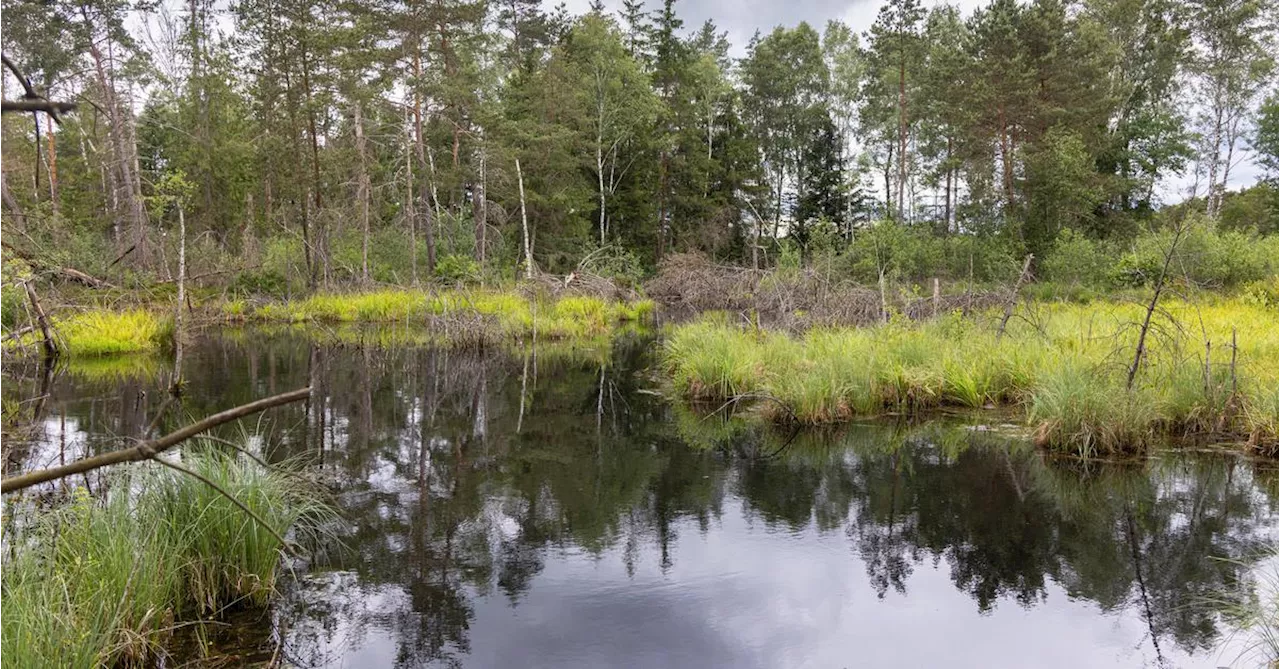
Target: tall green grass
{"x": 103, "y": 332}
{"x": 99, "y": 582}
{"x": 1064, "y": 365}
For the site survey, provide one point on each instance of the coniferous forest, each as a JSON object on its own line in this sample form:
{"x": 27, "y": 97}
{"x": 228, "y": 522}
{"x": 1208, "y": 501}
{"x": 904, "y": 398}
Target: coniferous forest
{"x": 314, "y": 144}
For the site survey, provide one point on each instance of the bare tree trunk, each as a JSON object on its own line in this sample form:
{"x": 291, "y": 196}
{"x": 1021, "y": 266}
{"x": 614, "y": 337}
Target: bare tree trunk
{"x": 410, "y": 213}
{"x": 119, "y": 179}
{"x": 429, "y": 229}
{"x": 946, "y": 215}
{"x": 524, "y": 226}
{"x": 431, "y": 164}
{"x": 1009, "y": 304}
{"x": 482, "y": 212}
{"x": 1141, "y": 348}
{"x": 178, "y": 333}
{"x": 1006, "y": 161}
{"x": 136, "y": 207}
{"x": 364, "y": 196}
{"x": 600, "y": 182}
{"x": 50, "y": 346}
{"x": 1215, "y": 139}
{"x": 5, "y": 195}
{"x": 53, "y": 166}
{"x": 320, "y": 231}
{"x": 902, "y": 136}
{"x": 1233, "y": 130}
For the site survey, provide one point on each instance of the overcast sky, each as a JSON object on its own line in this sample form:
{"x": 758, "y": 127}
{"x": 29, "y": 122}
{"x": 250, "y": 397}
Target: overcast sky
{"x": 741, "y": 18}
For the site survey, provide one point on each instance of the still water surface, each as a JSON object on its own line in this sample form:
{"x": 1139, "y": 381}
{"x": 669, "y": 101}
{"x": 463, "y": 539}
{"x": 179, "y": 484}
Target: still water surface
{"x": 549, "y": 509}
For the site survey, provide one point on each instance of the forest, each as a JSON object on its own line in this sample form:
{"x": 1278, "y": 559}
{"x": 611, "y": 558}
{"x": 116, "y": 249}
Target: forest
{"x": 311, "y": 144}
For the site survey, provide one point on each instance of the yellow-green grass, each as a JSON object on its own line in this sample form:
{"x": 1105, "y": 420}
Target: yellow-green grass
{"x": 101, "y": 582}
{"x": 1064, "y": 365}
{"x": 514, "y": 314}
{"x": 100, "y": 332}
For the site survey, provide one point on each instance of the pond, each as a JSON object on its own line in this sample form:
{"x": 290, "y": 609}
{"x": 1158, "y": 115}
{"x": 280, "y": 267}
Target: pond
{"x": 548, "y": 507}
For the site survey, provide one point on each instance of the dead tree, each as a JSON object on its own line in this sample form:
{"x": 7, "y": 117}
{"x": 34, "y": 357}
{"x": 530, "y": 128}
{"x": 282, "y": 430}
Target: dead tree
{"x": 1141, "y": 349}
{"x": 1013, "y": 296}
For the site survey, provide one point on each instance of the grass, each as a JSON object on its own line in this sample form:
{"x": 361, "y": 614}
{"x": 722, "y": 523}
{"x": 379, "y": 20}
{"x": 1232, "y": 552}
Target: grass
{"x": 513, "y": 314}
{"x": 100, "y": 332}
{"x": 103, "y": 332}
{"x": 100, "y": 582}
{"x": 1064, "y": 365}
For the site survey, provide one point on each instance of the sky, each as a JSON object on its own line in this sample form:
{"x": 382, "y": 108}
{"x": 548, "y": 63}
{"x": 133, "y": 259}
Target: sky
{"x": 741, "y": 18}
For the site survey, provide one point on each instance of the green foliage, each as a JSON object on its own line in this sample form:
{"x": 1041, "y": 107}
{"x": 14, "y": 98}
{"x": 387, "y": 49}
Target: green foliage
{"x": 913, "y": 253}
{"x": 1207, "y": 256}
{"x": 12, "y": 299}
{"x": 1062, "y": 189}
{"x": 458, "y": 269}
{"x": 1077, "y": 259}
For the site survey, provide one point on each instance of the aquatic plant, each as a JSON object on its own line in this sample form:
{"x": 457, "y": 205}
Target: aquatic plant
{"x": 101, "y": 581}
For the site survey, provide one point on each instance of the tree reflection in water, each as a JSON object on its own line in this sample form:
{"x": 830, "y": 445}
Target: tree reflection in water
{"x": 463, "y": 475}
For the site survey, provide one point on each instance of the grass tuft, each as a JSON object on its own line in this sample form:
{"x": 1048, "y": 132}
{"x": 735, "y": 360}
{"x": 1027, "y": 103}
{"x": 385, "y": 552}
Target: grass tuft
{"x": 100, "y": 582}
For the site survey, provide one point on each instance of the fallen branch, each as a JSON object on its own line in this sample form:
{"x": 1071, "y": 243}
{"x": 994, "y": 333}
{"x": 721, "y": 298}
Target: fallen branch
{"x": 53, "y": 109}
{"x": 15, "y": 335}
{"x": 50, "y": 348}
{"x": 69, "y": 273}
{"x": 148, "y": 450}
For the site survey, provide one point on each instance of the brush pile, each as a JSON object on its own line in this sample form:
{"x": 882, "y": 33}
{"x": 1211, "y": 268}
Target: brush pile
{"x": 688, "y": 284}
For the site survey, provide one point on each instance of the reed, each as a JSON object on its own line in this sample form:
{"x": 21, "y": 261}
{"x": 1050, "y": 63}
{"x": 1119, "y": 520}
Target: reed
{"x": 100, "y": 582}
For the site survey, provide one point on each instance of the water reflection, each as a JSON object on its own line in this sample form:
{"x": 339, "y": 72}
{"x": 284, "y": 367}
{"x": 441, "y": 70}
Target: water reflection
{"x": 545, "y": 507}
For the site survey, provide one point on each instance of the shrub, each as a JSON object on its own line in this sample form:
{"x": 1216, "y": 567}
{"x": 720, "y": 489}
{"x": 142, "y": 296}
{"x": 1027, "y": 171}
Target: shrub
{"x": 11, "y": 309}
{"x": 1207, "y": 257}
{"x": 1076, "y": 259}
{"x": 455, "y": 268}
{"x": 915, "y": 253}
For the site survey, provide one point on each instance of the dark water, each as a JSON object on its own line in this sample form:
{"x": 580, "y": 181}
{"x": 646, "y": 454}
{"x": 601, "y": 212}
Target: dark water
{"x": 513, "y": 509}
